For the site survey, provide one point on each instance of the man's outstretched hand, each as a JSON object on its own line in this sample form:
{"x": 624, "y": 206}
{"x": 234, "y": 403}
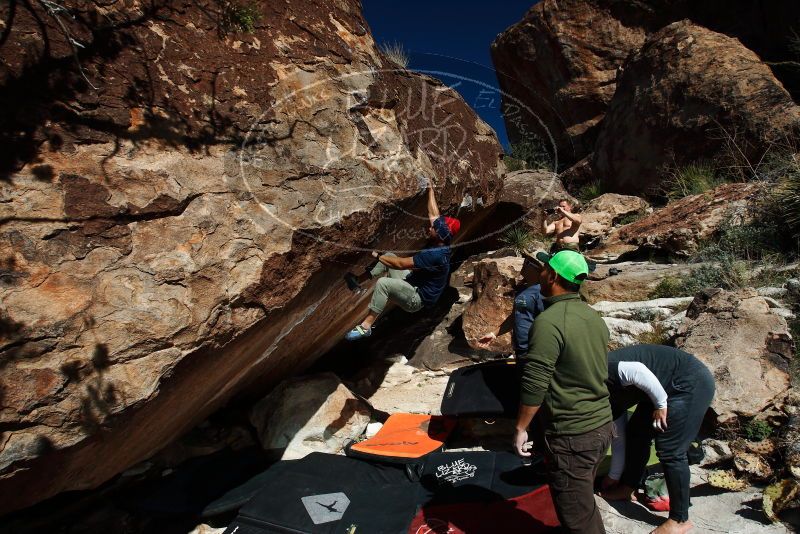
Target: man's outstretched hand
{"x": 521, "y": 444}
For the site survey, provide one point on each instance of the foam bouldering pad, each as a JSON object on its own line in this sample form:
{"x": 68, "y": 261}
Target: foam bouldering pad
{"x": 484, "y": 389}
{"x": 326, "y": 493}
{"x": 404, "y": 438}
{"x": 530, "y": 513}
{"x": 474, "y": 476}
{"x": 484, "y": 492}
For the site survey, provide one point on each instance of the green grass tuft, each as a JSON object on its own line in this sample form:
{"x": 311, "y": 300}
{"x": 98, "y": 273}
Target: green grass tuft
{"x": 590, "y": 191}
{"x": 658, "y": 336}
{"x": 756, "y": 430}
{"x": 692, "y": 179}
{"x": 531, "y": 153}
{"x": 240, "y": 17}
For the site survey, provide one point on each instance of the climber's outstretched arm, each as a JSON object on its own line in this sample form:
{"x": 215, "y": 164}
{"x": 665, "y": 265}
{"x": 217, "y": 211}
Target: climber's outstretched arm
{"x": 433, "y": 208}
{"x": 396, "y": 262}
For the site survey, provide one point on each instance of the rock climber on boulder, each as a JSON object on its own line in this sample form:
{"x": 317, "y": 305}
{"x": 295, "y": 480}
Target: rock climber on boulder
{"x": 412, "y": 282}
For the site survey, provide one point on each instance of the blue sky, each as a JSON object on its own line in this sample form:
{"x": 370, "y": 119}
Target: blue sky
{"x": 451, "y": 37}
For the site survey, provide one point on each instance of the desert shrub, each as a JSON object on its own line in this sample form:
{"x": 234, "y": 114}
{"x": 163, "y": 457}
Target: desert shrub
{"x": 630, "y": 218}
{"x": 787, "y": 196}
{"x": 239, "y": 17}
{"x": 658, "y": 336}
{"x": 691, "y": 179}
{"x": 749, "y": 241}
{"x": 530, "y": 153}
{"x": 668, "y": 287}
{"x": 644, "y": 315}
{"x": 756, "y": 430}
{"x": 519, "y": 238}
{"x": 513, "y": 164}
{"x": 590, "y": 191}
{"x": 726, "y": 273}
{"x": 395, "y": 53}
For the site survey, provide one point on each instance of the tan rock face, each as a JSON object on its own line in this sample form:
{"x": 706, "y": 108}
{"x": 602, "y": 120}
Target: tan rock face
{"x": 560, "y": 65}
{"x": 678, "y": 98}
{"x": 744, "y": 343}
{"x": 531, "y": 192}
{"x": 309, "y": 414}
{"x": 635, "y": 281}
{"x": 600, "y": 214}
{"x": 494, "y": 286}
{"x": 178, "y": 235}
{"x": 682, "y": 225}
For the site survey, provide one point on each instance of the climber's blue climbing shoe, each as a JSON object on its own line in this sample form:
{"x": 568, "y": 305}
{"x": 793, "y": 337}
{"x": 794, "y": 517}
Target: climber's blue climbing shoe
{"x": 359, "y": 332}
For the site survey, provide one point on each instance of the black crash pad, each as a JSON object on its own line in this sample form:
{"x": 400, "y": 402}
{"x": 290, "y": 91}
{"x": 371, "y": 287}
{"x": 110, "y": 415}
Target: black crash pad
{"x": 484, "y": 389}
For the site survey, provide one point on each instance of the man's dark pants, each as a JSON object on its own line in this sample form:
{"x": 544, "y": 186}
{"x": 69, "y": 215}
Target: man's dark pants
{"x": 572, "y": 462}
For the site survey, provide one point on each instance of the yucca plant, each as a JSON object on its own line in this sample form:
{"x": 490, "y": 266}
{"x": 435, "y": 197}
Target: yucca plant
{"x": 518, "y": 238}
{"x": 788, "y": 196}
{"x": 396, "y": 54}
{"x": 590, "y": 191}
{"x": 691, "y": 179}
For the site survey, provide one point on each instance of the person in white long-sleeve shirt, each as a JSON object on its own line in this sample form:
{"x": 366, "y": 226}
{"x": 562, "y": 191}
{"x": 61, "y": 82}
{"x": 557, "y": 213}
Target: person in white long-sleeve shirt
{"x": 672, "y": 391}
{"x": 634, "y": 374}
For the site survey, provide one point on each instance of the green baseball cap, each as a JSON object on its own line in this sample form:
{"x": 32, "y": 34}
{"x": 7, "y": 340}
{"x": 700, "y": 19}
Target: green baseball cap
{"x": 570, "y": 265}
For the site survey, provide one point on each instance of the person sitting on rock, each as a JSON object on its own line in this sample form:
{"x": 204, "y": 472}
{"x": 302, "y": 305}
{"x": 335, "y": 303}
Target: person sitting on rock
{"x": 528, "y": 304}
{"x": 412, "y": 282}
{"x": 672, "y": 391}
{"x": 566, "y": 228}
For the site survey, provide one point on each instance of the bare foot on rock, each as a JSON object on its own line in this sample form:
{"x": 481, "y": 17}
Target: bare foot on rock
{"x": 620, "y": 492}
{"x": 670, "y": 526}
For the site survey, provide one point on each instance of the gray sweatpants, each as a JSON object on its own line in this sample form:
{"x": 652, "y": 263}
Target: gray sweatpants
{"x": 395, "y": 288}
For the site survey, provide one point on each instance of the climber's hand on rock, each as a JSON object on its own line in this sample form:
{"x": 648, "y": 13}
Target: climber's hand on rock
{"x": 483, "y": 341}
{"x": 423, "y": 182}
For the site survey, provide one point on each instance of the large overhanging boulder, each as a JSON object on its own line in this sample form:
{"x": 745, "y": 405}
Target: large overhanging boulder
{"x": 688, "y": 94}
{"x": 179, "y": 211}
{"x": 745, "y": 344}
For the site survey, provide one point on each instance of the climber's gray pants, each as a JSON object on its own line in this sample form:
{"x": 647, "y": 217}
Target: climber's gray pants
{"x": 395, "y": 288}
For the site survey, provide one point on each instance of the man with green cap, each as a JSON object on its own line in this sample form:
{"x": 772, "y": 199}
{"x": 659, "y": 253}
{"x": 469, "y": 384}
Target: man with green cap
{"x": 563, "y": 381}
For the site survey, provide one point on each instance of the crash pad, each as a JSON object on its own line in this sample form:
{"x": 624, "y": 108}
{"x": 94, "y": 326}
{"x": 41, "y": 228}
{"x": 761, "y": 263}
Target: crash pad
{"x": 404, "y": 437}
{"x": 324, "y": 493}
{"x": 484, "y": 389}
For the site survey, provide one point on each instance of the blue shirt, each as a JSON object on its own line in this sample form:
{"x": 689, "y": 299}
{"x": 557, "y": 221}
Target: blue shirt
{"x": 527, "y": 305}
{"x": 430, "y": 274}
